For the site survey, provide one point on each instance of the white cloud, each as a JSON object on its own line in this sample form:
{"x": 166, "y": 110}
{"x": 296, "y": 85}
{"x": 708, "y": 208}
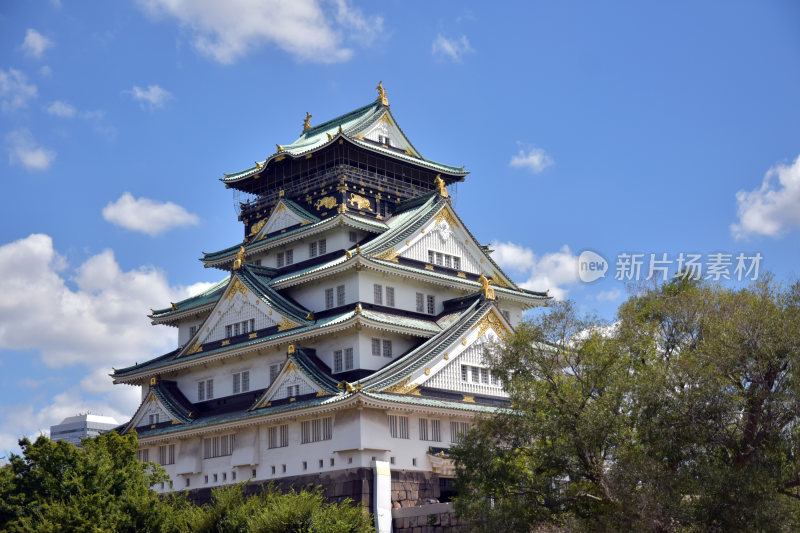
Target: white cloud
{"x": 45, "y": 71}
{"x": 93, "y": 316}
{"x": 452, "y": 49}
{"x": 152, "y": 97}
{"x": 535, "y": 160}
{"x": 609, "y": 296}
{"x": 309, "y": 30}
{"x": 101, "y": 321}
{"x": 772, "y": 209}
{"x": 147, "y": 216}
{"x": 24, "y": 150}
{"x": 552, "y": 271}
{"x": 61, "y": 109}
{"x": 15, "y": 91}
{"x": 35, "y": 43}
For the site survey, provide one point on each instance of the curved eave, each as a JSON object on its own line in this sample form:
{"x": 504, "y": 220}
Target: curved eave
{"x": 296, "y": 335}
{"x": 172, "y": 318}
{"x": 224, "y": 262}
{"x": 236, "y": 181}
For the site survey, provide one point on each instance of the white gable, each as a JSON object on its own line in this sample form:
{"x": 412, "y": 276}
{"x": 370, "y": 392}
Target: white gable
{"x": 151, "y": 406}
{"x": 281, "y": 217}
{"x": 290, "y": 382}
{"x": 443, "y": 239}
{"x": 238, "y": 304}
{"x": 384, "y": 128}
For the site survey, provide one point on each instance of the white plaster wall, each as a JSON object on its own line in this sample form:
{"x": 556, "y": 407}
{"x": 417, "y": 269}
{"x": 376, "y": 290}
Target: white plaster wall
{"x": 441, "y": 239}
{"x": 335, "y": 239}
{"x": 405, "y": 293}
{"x": 184, "y": 328}
{"x": 311, "y": 295}
{"x": 400, "y": 344}
{"x": 449, "y": 377}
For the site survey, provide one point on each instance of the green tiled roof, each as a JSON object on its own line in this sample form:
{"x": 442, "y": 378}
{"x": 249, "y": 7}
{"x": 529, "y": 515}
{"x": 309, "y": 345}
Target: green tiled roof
{"x": 403, "y": 321}
{"x": 435, "y": 402}
{"x": 351, "y": 124}
{"x": 208, "y": 296}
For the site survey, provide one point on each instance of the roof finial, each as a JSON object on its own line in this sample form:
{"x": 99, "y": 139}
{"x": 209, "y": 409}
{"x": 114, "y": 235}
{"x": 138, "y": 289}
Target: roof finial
{"x": 307, "y": 122}
{"x": 440, "y": 184}
{"x": 488, "y": 292}
{"x": 237, "y": 263}
{"x": 382, "y": 93}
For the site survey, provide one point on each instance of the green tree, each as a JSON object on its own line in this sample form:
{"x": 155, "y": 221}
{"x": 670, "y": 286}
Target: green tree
{"x": 681, "y": 416}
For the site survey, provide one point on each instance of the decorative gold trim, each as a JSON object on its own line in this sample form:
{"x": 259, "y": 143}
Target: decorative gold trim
{"x": 440, "y": 184}
{"x": 322, "y": 393}
{"x": 307, "y": 122}
{"x": 447, "y": 216}
{"x": 464, "y": 342}
{"x": 388, "y": 255}
{"x": 196, "y": 348}
{"x": 291, "y": 367}
{"x": 403, "y": 387}
{"x": 226, "y": 342}
{"x": 468, "y": 398}
{"x": 237, "y": 263}
{"x": 236, "y": 286}
{"x": 382, "y": 93}
{"x": 488, "y": 292}
{"x": 461, "y": 275}
{"x": 330, "y": 137}
{"x": 499, "y": 281}
{"x": 446, "y": 356}
{"x": 255, "y": 228}
{"x": 285, "y": 324}
{"x": 290, "y": 349}
{"x": 359, "y": 202}
{"x": 427, "y": 371}
{"x": 279, "y": 149}
{"x": 328, "y": 202}
{"x": 492, "y": 320}
{"x": 253, "y": 335}
{"x": 280, "y": 158}
{"x": 153, "y": 381}
{"x": 428, "y": 267}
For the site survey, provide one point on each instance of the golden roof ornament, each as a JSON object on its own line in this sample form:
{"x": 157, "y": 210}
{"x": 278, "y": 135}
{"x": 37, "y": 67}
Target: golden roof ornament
{"x": 290, "y": 349}
{"x": 307, "y": 122}
{"x": 382, "y": 93}
{"x": 440, "y": 184}
{"x": 174, "y": 306}
{"x": 259, "y": 165}
{"x": 279, "y": 148}
{"x": 237, "y": 263}
{"x": 488, "y": 292}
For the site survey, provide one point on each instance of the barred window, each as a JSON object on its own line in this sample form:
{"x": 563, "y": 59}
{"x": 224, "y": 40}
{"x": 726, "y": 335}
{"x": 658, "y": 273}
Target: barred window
{"x": 420, "y": 302}
{"x": 143, "y": 455}
{"x": 378, "y": 294}
{"x": 457, "y": 263}
{"x": 484, "y": 375}
{"x": 353, "y": 236}
{"x": 387, "y": 348}
{"x": 431, "y": 304}
{"x": 328, "y": 298}
{"x": 337, "y": 361}
{"x": 229, "y": 331}
{"x": 398, "y": 426}
{"x": 279, "y": 436}
{"x": 154, "y": 419}
{"x": 166, "y": 454}
{"x": 218, "y": 446}
{"x": 312, "y": 249}
{"x": 280, "y": 259}
{"x": 323, "y": 245}
{"x": 436, "y": 434}
{"x": 292, "y": 390}
{"x": 316, "y": 430}
{"x": 205, "y": 390}
{"x": 431, "y": 257}
{"x": 464, "y": 369}
{"x": 241, "y": 382}
{"x": 348, "y": 358}
{"x": 340, "y": 295}
{"x": 390, "y": 296}
{"x": 273, "y": 372}
{"x": 423, "y": 429}
{"x": 376, "y": 346}
{"x": 289, "y": 257}
{"x": 457, "y": 431}
{"x": 192, "y": 331}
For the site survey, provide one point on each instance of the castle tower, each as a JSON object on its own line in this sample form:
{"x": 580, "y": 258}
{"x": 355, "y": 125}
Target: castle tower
{"x": 345, "y": 339}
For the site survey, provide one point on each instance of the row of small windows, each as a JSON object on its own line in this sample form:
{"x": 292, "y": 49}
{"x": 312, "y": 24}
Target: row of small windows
{"x": 205, "y": 390}
{"x": 284, "y": 258}
{"x": 317, "y": 248}
{"x": 237, "y": 328}
{"x": 378, "y": 295}
{"x": 278, "y": 436}
{"x": 329, "y": 297}
{"x": 429, "y": 429}
{"x": 166, "y": 454}
{"x": 316, "y": 430}
{"x": 445, "y": 260}
{"x": 382, "y": 347}
{"x": 241, "y": 382}
{"x": 477, "y": 374}
{"x": 218, "y": 446}
{"x": 343, "y": 360}
{"x": 426, "y": 303}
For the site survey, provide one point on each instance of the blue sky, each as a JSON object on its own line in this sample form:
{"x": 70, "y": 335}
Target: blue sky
{"x": 616, "y": 127}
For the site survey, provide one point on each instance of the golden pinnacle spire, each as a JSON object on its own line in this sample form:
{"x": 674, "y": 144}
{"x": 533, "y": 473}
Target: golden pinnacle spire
{"x": 382, "y": 93}
{"x": 237, "y": 263}
{"x": 307, "y": 122}
{"x": 439, "y": 183}
{"x": 488, "y": 292}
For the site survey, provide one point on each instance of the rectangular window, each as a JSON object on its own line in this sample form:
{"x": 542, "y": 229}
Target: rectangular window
{"x": 312, "y": 249}
{"x": 378, "y": 294}
{"x": 154, "y": 419}
{"x": 506, "y": 314}
{"x": 192, "y": 331}
{"x": 235, "y": 329}
{"x": 337, "y": 361}
{"x": 273, "y": 372}
{"x": 166, "y": 454}
{"x": 376, "y": 346}
{"x": 457, "y": 263}
{"x": 279, "y": 436}
{"x": 439, "y": 260}
{"x": 390, "y": 296}
{"x": 420, "y": 302}
{"x": 348, "y": 358}
{"x": 495, "y": 379}
{"x": 241, "y": 382}
{"x": 328, "y": 298}
{"x": 464, "y": 372}
{"x": 475, "y": 374}
{"x": 387, "y": 348}
{"x": 447, "y": 260}
{"x": 436, "y": 434}
{"x": 431, "y": 304}
{"x": 423, "y": 429}
{"x": 280, "y": 259}
{"x": 485, "y": 375}
{"x": 209, "y": 389}
{"x": 457, "y": 431}
{"x": 252, "y": 324}
{"x": 143, "y": 455}
{"x": 340, "y": 295}
{"x": 218, "y": 446}
{"x": 201, "y": 391}
{"x": 398, "y": 426}
{"x": 228, "y": 331}
{"x": 289, "y": 257}
{"x": 323, "y": 246}
{"x": 292, "y": 390}
{"x": 316, "y": 430}
{"x": 353, "y": 236}
{"x": 431, "y": 257}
